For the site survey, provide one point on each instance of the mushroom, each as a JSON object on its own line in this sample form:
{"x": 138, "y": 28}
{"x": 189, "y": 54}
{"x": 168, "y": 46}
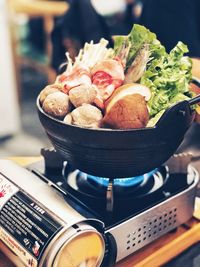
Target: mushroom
{"x": 127, "y": 107}
{"x": 128, "y": 112}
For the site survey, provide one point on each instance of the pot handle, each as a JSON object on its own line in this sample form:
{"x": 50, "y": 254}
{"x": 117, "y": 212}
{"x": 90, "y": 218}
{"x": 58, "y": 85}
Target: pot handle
{"x": 195, "y": 81}
{"x": 194, "y": 100}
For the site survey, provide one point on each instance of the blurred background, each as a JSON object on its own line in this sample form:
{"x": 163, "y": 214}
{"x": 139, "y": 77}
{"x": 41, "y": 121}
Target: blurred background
{"x": 35, "y": 34}
{"x": 27, "y": 63}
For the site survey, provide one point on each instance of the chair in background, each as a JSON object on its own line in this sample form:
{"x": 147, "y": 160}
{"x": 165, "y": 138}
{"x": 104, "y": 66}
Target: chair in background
{"x": 45, "y": 9}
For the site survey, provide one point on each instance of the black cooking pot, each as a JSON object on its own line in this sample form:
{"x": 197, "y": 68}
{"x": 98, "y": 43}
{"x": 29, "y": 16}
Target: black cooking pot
{"x": 120, "y": 153}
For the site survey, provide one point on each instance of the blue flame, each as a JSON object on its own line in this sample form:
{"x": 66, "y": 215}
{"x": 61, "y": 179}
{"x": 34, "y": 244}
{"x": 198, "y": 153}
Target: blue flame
{"x": 122, "y": 182}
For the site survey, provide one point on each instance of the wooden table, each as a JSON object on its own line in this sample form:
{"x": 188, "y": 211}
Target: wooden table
{"x": 155, "y": 254}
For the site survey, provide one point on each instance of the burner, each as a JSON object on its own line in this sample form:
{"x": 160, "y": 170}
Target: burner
{"x": 106, "y": 197}
{"x": 93, "y": 186}
{"x": 100, "y": 184}
{"x": 116, "y": 200}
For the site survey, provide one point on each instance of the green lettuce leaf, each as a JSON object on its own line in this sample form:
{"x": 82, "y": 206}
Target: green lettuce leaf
{"x": 138, "y": 36}
{"x": 167, "y": 74}
{"x": 152, "y": 122}
{"x": 119, "y": 41}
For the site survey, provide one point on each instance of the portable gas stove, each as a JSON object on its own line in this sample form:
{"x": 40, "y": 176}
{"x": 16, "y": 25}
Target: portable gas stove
{"x": 132, "y": 212}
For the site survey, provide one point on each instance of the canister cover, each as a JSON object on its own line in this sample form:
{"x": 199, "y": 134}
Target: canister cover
{"x": 79, "y": 246}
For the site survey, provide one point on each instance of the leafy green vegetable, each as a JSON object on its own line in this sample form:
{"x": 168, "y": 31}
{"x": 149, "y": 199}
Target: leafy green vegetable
{"x": 155, "y": 119}
{"x": 121, "y": 48}
{"x": 138, "y": 36}
{"x": 168, "y": 77}
{"x": 119, "y": 42}
{"x": 167, "y": 74}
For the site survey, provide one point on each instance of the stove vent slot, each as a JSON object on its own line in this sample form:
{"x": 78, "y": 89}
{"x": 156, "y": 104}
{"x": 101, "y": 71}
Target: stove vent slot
{"x": 151, "y": 229}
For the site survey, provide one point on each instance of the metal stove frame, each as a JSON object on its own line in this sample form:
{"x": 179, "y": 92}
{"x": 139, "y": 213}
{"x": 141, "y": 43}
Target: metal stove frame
{"x": 138, "y": 231}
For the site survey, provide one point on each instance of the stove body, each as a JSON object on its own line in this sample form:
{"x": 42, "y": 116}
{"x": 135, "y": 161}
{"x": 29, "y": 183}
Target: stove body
{"x": 142, "y": 229}
{"x": 132, "y": 224}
